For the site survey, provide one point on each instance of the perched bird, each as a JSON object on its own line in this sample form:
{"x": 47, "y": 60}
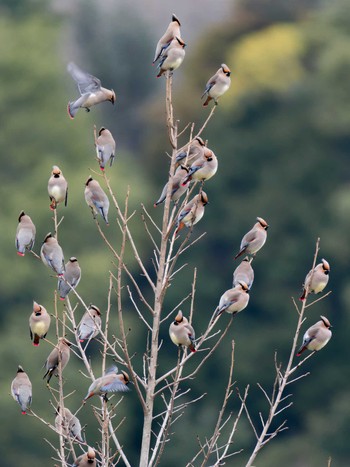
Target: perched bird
{"x": 39, "y": 323}
{"x": 105, "y": 147}
{"x": 111, "y": 381}
{"x": 25, "y": 234}
{"x": 52, "y": 254}
{"x": 88, "y": 459}
{"x": 217, "y": 85}
{"x": 96, "y": 198}
{"x": 70, "y": 278}
{"x": 195, "y": 151}
{"x": 68, "y": 424}
{"x": 182, "y": 333}
{"x": 90, "y": 324}
{"x": 59, "y": 356}
{"x": 172, "y": 31}
{"x": 244, "y": 272}
{"x": 57, "y": 188}
{"x": 91, "y": 91}
{"x": 21, "y": 389}
{"x": 172, "y": 57}
{"x": 254, "y": 239}
{"x": 178, "y": 188}
{"x": 233, "y": 300}
{"x": 316, "y": 279}
{"x": 192, "y": 212}
{"x": 203, "y": 168}
{"x": 317, "y": 336}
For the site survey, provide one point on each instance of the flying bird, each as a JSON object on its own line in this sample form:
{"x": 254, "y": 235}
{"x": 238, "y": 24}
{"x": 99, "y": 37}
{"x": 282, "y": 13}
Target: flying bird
{"x": 70, "y": 279}
{"x": 254, "y": 239}
{"x": 105, "y": 147}
{"x": 91, "y": 91}
{"x": 182, "y": 333}
{"x": 25, "y": 234}
{"x": 39, "y": 323}
{"x": 172, "y": 31}
{"x": 217, "y": 85}
{"x": 58, "y": 357}
{"x": 21, "y": 389}
{"x": 172, "y": 57}
{"x": 233, "y": 300}
{"x": 192, "y": 212}
{"x": 52, "y": 254}
{"x": 111, "y": 381}
{"x": 316, "y": 279}
{"x": 57, "y": 188}
{"x": 317, "y": 336}
{"x": 97, "y": 199}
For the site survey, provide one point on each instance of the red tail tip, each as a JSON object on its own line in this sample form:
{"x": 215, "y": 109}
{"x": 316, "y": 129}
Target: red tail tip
{"x": 102, "y": 168}
{"x": 155, "y": 205}
{"x": 193, "y": 350}
{"x": 298, "y": 354}
{"x": 36, "y": 345}
{"x": 81, "y": 340}
{"x": 301, "y": 299}
{"x": 24, "y": 413}
{"x": 62, "y": 298}
{"x": 69, "y": 114}
{"x": 20, "y": 254}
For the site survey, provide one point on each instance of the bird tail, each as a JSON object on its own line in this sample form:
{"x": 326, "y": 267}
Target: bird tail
{"x": 302, "y": 296}
{"x": 240, "y": 253}
{"x": 36, "y": 340}
{"x": 301, "y": 350}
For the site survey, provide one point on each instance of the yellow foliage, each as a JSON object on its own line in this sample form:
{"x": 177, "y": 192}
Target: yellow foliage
{"x": 266, "y": 61}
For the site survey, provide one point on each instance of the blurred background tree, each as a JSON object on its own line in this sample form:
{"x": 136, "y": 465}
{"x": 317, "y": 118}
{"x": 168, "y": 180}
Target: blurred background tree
{"x": 282, "y": 138}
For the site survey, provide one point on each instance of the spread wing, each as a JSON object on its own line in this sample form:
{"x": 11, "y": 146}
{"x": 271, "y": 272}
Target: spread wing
{"x": 86, "y": 82}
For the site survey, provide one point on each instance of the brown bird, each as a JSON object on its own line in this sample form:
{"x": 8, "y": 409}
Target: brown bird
{"x": 57, "y": 188}
{"x": 88, "y": 459}
{"x": 182, "y": 333}
{"x": 172, "y": 57}
{"x": 105, "y": 147}
{"x": 244, "y": 272}
{"x": 254, "y": 239}
{"x": 317, "y": 336}
{"x": 52, "y": 254}
{"x": 316, "y": 279}
{"x": 178, "y": 186}
{"x": 96, "y": 199}
{"x": 39, "y": 323}
{"x": 203, "y": 168}
{"x": 217, "y": 85}
{"x": 172, "y": 31}
{"x": 195, "y": 151}
{"x": 25, "y": 234}
{"x": 111, "y": 381}
{"x": 21, "y": 390}
{"x": 192, "y": 212}
{"x": 68, "y": 424}
{"x": 233, "y": 300}
{"x": 90, "y": 324}
{"x": 59, "y": 356}
{"x": 70, "y": 278}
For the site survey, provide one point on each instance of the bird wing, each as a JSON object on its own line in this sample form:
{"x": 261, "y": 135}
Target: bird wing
{"x": 112, "y": 369}
{"x": 86, "y": 82}
{"x": 227, "y": 303}
{"x": 115, "y": 386}
{"x": 248, "y": 238}
{"x": 210, "y": 84}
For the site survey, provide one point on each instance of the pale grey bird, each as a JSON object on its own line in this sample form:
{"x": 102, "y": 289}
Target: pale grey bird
{"x": 317, "y": 336}
{"x": 39, "y": 323}
{"x": 182, "y": 333}
{"x": 178, "y": 185}
{"x": 195, "y": 151}
{"x": 96, "y": 198}
{"x": 111, "y": 381}
{"x": 70, "y": 279}
{"x": 57, "y": 188}
{"x": 88, "y": 459}
{"x": 254, "y": 239}
{"x": 59, "y": 356}
{"x": 316, "y": 279}
{"x": 172, "y": 31}
{"x": 172, "y": 57}
{"x": 244, "y": 272}
{"x": 52, "y": 254}
{"x": 192, "y": 212}
{"x": 90, "y": 324}
{"x": 68, "y": 424}
{"x": 203, "y": 168}
{"x": 105, "y": 147}
{"x": 25, "y": 234}
{"x": 217, "y": 85}
{"x": 91, "y": 91}
{"x": 21, "y": 389}
{"x": 233, "y": 300}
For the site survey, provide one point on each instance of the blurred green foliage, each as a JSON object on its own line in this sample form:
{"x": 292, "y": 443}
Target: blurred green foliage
{"x": 282, "y": 138}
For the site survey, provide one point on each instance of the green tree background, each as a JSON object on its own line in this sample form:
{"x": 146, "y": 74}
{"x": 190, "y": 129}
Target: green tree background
{"x": 282, "y": 136}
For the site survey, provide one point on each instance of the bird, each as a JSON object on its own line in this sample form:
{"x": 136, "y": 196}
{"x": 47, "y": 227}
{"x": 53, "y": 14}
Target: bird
{"x": 68, "y": 424}
{"x": 254, "y": 239}
{"x": 105, "y": 147}
{"x": 111, "y": 381}
{"x": 316, "y": 279}
{"x": 317, "y": 336}
{"x": 39, "y": 323}
{"x": 182, "y": 333}
{"x": 203, "y": 168}
{"x": 25, "y": 234}
{"x": 178, "y": 188}
{"x": 217, "y": 85}
{"x": 52, "y": 254}
{"x": 97, "y": 199}
{"x": 70, "y": 279}
{"x": 59, "y": 356}
{"x": 90, "y": 324}
{"x": 91, "y": 91}
{"x": 193, "y": 151}
{"x": 244, "y": 272}
{"x": 21, "y": 389}
{"x": 172, "y": 31}
{"x": 172, "y": 57}
{"x": 88, "y": 459}
{"x": 192, "y": 211}
{"x": 57, "y": 188}
{"x": 233, "y": 300}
